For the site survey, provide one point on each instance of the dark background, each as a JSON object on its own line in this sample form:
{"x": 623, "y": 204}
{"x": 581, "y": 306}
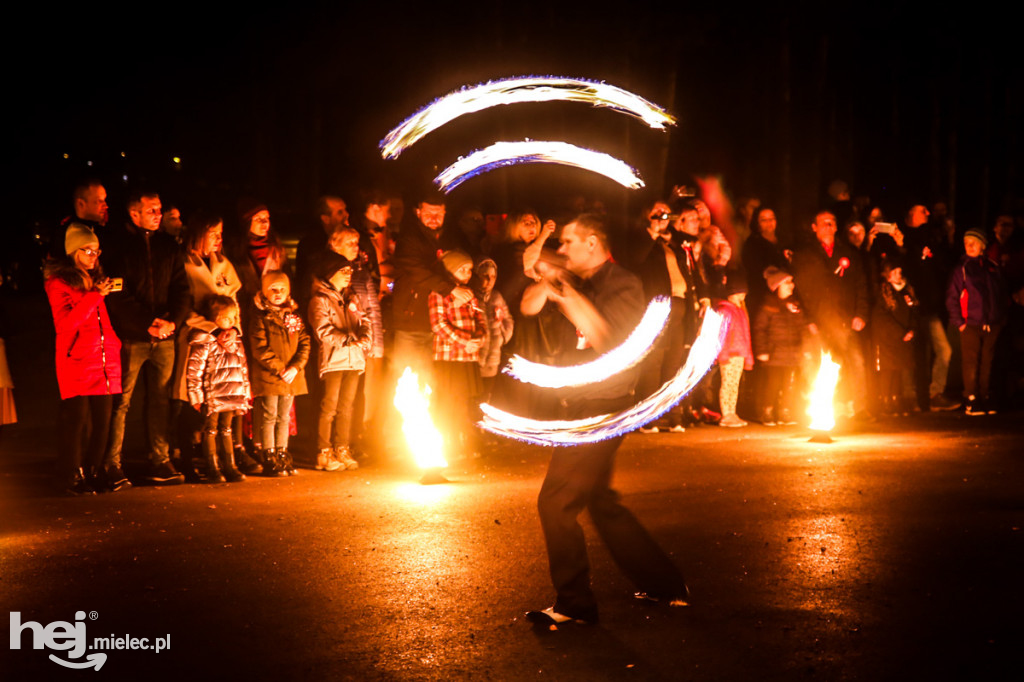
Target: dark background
{"x": 289, "y": 101}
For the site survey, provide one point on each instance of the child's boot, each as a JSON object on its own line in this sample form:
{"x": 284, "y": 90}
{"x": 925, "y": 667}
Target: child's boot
{"x": 231, "y": 472}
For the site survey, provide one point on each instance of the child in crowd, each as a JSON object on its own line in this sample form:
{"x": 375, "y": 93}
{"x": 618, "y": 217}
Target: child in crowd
{"x": 893, "y": 322}
{"x": 977, "y": 305}
{"x": 344, "y": 335}
{"x": 218, "y": 384}
{"x": 499, "y": 324}
{"x": 459, "y": 334}
{"x": 279, "y": 345}
{"x": 779, "y": 336}
{"x": 736, "y": 354}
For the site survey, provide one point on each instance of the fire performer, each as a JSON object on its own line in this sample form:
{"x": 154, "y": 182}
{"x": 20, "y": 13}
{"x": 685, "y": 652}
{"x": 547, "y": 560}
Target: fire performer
{"x": 603, "y": 302}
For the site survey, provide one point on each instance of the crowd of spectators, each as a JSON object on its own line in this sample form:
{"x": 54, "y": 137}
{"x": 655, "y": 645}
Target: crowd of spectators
{"x": 226, "y": 330}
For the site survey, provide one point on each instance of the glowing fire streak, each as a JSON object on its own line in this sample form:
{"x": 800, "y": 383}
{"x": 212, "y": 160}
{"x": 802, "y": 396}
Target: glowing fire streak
{"x": 420, "y": 433}
{"x": 632, "y": 351}
{"x": 502, "y": 154}
{"x": 591, "y": 430}
{"x": 822, "y": 393}
{"x": 514, "y": 91}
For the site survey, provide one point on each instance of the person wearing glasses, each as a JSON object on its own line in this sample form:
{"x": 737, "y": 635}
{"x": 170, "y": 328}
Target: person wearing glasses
{"x": 88, "y": 360}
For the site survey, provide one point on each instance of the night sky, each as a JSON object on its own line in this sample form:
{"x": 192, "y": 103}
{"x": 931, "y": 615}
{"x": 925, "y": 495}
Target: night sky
{"x": 289, "y": 102}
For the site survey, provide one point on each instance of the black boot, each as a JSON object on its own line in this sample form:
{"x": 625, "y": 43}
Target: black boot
{"x": 231, "y": 472}
{"x": 97, "y": 480}
{"x": 287, "y": 461}
{"x": 188, "y": 463}
{"x": 78, "y": 486}
{"x": 272, "y": 464}
{"x": 245, "y": 463}
{"x": 213, "y": 474}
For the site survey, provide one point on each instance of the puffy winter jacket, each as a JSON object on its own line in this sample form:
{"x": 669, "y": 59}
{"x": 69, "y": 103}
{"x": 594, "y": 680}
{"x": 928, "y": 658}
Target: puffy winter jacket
{"x": 976, "y": 294}
{"x": 340, "y": 327}
{"x": 88, "y": 350}
{"x": 277, "y": 340}
{"x": 217, "y": 377}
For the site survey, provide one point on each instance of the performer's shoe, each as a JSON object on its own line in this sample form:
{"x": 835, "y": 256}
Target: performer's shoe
{"x": 675, "y": 601}
{"x": 549, "y": 617}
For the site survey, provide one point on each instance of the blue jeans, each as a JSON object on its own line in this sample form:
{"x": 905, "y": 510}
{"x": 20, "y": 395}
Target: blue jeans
{"x": 158, "y": 361}
{"x": 274, "y": 411}
{"x": 943, "y": 352}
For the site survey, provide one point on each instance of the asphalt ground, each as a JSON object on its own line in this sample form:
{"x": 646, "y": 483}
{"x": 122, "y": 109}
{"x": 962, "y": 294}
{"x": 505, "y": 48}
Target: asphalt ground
{"x": 893, "y": 553}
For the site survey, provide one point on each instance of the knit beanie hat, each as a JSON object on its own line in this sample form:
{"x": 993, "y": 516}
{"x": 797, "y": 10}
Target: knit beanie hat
{"x": 78, "y": 237}
{"x": 979, "y": 235}
{"x": 330, "y": 264}
{"x": 247, "y": 208}
{"x": 455, "y": 259}
{"x": 775, "y": 276}
{"x": 735, "y": 283}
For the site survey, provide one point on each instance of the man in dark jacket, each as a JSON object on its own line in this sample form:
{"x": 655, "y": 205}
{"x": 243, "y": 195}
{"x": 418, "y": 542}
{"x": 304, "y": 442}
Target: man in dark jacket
{"x": 928, "y": 261}
{"x": 146, "y": 314}
{"x": 833, "y": 287}
{"x": 418, "y": 271}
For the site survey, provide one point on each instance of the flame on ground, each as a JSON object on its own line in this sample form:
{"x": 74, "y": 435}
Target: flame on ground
{"x": 423, "y": 438}
{"x": 823, "y": 392}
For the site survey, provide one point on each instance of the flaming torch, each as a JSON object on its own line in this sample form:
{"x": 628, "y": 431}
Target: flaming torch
{"x": 424, "y": 439}
{"x": 822, "y": 394}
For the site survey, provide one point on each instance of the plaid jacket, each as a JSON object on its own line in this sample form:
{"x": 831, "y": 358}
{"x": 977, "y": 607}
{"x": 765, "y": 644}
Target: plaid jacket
{"x": 454, "y": 327}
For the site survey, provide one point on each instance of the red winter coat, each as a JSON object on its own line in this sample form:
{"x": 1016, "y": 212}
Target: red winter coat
{"x": 88, "y": 350}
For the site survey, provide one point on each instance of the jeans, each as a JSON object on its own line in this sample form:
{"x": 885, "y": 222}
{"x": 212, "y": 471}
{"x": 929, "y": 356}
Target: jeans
{"x": 335, "y": 427}
{"x": 942, "y": 351}
{"x": 274, "y": 412}
{"x": 158, "y": 360}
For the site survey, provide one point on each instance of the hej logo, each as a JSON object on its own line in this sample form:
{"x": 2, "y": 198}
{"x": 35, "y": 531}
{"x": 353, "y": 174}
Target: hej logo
{"x": 59, "y": 636}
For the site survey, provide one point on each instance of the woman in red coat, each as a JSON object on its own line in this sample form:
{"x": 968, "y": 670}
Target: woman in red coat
{"x": 88, "y": 359}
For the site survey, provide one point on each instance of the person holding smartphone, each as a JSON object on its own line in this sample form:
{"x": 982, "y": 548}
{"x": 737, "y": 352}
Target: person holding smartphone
{"x": 87, "y": 359}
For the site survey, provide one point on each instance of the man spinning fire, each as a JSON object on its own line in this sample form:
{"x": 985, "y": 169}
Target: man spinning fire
{"x": 600, "y": 303}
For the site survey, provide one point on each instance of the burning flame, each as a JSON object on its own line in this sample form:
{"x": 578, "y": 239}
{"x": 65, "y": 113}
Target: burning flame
{"x": 514, "y": 91}
{"x": 502, "y": 154}
{"x": 628, "y": 354}
{"x": 420, "y": 433}
{"x": 593, "y": 429}
{"x": 822, "y": 393}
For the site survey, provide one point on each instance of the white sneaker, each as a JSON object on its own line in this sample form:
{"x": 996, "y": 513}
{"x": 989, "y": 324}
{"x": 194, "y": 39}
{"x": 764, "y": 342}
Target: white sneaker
{"x": 732, "y": 420}
{"x": 325, "y": 461}
{"x": 678, "y": 428}
{"x": 343, "y": 457}
{"x": 649, "y": 429}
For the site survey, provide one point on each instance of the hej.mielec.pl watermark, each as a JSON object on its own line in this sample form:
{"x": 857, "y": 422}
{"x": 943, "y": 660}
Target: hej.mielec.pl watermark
{"x": 71, "y": 638}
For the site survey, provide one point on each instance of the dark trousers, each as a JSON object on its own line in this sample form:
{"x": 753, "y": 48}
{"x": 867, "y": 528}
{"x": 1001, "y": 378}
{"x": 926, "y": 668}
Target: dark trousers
{"x": 579, "y": 478}
{"x": 73, "y": 414}
{"x": 977, "y": 349}
{"x": 667, "y": 356}
{"x": 336, "y": 406}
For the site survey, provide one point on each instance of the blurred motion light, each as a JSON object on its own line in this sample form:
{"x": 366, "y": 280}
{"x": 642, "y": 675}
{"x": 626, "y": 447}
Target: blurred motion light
{"x": 502, "y": 154}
